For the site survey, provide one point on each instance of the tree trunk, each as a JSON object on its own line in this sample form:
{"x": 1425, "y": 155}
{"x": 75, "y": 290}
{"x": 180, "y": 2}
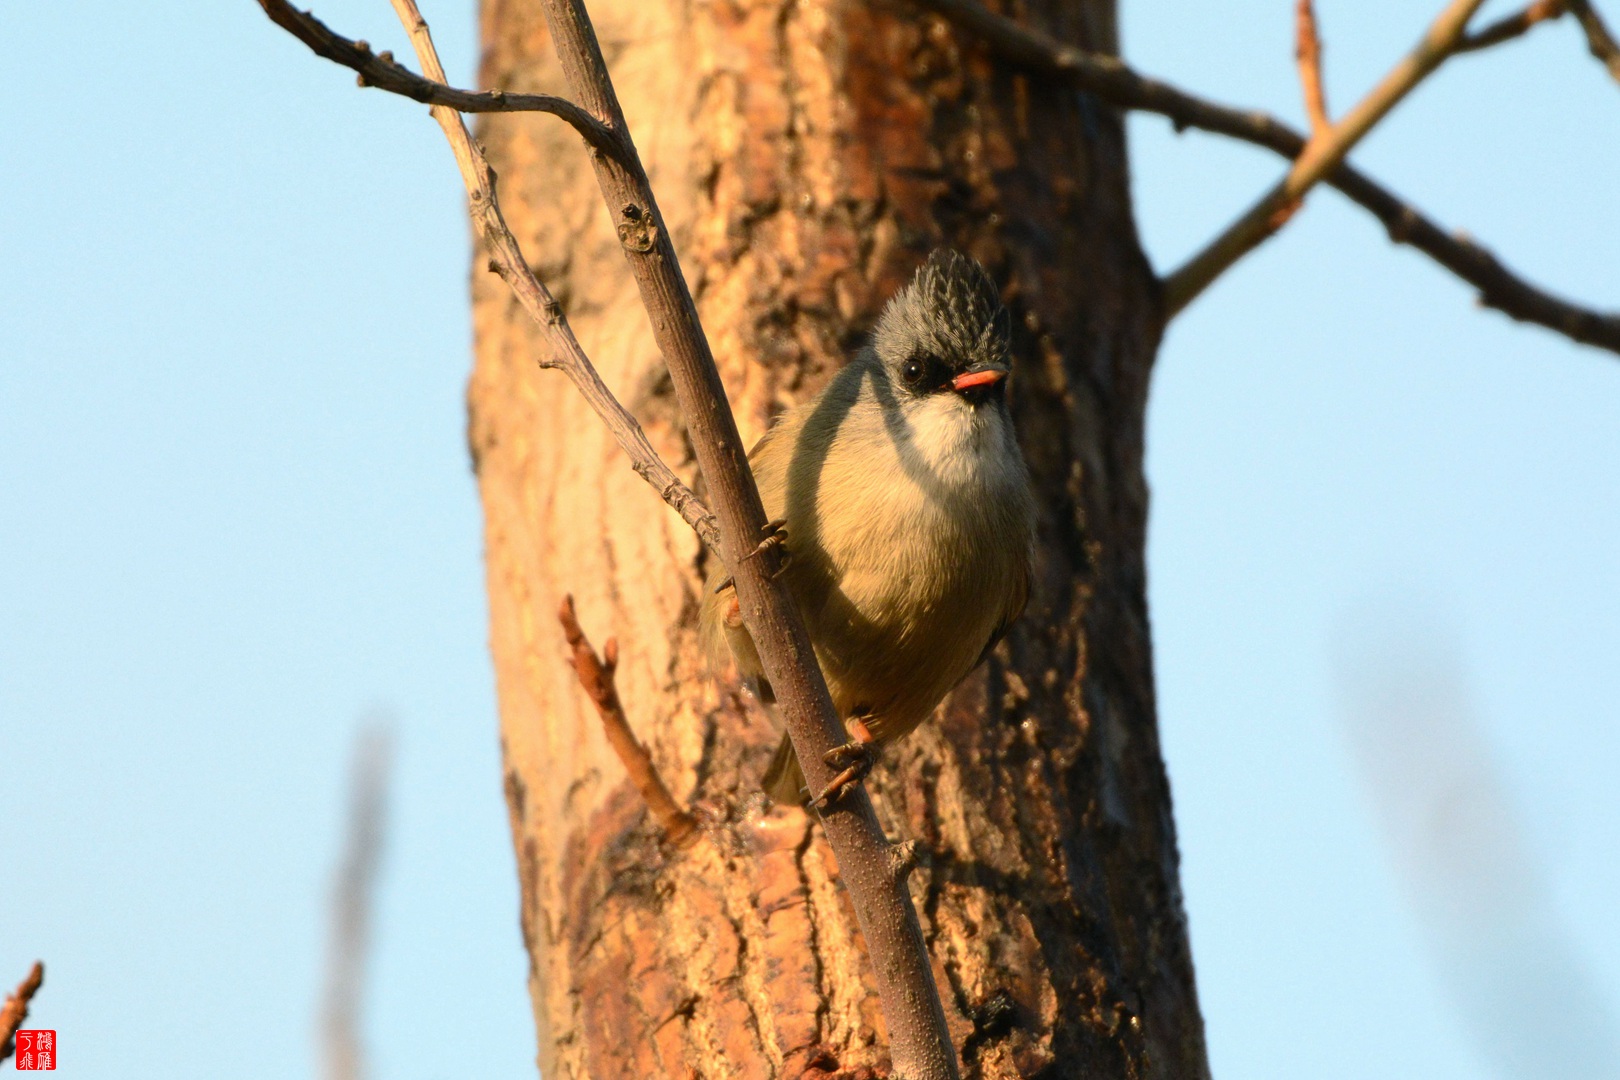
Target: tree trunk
{"x": 807, "y": 156}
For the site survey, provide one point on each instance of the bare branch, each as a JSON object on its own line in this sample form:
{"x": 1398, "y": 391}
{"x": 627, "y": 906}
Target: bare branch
{"x": 596, "y": 676}
{"x": 1599, "y": 40}
{"x": 506, "y": 259}
{"x": 15, "y": 1010}
{"x": 1111, "y": 80}
{"x": 1308, "y": 54}
{"x": 1321, "y": 155}
{"x": 380, "y": 70}
{"x": 920, "y": 1043}
{"x": 354, "y": 888}
{"x": 1512, "y": 26}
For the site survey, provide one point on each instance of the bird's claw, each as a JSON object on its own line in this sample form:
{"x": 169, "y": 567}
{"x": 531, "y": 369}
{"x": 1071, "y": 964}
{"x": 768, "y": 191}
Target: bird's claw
{"x": 775, "y": 536}
{"x": 853, "y": 759}
{"x": 851, "y": 775}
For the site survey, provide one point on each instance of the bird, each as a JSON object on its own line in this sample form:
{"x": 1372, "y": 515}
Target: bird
{"x": 904, "y": 509}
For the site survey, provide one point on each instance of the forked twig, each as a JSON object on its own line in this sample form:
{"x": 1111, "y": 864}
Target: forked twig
{"x": 15, "y": 1010}
{"x": 1115, "y": 82}
{"x": 1512, "y": 26}
{"x": 596, "y": 675}
{"x": 506, "y": 258}
{"x": 1599, "y": 41}
{"x": 1308, "y": 54}
{"x": 1322, "y": 154}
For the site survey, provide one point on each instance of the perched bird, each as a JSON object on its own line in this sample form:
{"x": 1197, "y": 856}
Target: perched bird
{"x": 905, "y": 508}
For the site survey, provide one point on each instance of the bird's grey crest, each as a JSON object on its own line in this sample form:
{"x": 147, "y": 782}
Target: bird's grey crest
{"x": 950, "y": 309}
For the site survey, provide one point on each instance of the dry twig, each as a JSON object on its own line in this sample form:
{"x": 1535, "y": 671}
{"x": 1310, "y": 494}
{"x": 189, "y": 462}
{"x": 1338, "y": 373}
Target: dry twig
{"x": 920, "y": 1044}
{"x": 596, "y": 676}
{"x": 1308, "y": 54}
{"x": 1599, "y": 41}
{"x": 1322, "y": 155}
{"x": 381, "y": 70}
{"x": 15, "y": 1010}
{"x": 506, "y": 258}
{"x": 1113, "y": 81}
{"x": 1511, "y": 26}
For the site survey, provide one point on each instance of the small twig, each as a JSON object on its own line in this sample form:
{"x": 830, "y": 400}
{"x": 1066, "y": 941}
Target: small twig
{"x": 1113, "y": 81}
{"x": 596, "y": 676}
{"x": 15, "y": 1010}
{"x": 1308, "y": 54}
{"x": 1321, "y": 156}
{"x": 381, "y": 70}
{"x": 506, "y": 259}
{"x": 1600, "y": 41}
{"x": 1511, "y": 26}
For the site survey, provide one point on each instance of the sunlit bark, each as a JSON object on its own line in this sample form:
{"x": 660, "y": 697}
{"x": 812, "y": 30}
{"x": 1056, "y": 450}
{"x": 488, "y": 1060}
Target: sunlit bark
{"x": 807, "y": 155}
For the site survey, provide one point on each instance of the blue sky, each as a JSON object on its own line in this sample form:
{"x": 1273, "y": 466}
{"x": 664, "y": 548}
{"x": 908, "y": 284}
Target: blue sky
{"x": 237, "y": 516}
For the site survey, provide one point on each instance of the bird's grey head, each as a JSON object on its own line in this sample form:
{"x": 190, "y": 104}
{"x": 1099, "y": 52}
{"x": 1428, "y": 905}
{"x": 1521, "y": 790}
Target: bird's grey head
{"x": 946, "y": 331}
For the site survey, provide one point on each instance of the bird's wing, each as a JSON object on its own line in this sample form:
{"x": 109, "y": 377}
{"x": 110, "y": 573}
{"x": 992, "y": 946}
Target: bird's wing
{"x": 1017, "y": 597}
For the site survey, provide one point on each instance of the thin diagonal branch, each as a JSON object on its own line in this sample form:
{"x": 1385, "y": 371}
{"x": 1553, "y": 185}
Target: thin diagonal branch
{"x": 1308, "y": 55}
{"x": 919, "y": 1040}
{"x": 1321, "y": 156}
{"x": 506, "y": 259}
{"x": 596, "y": 675}
{"x": 380, "y": 70}
{"x": 1599, "y": 40}
{"x": 1113, "y": 81}
{"x": 15, "y": 1010}
{"x": 1512, "y": 26}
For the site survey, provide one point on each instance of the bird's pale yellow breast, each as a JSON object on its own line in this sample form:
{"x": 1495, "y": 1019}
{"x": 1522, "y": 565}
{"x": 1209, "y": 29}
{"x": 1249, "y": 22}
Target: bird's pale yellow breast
{"x": 910, "y": 538}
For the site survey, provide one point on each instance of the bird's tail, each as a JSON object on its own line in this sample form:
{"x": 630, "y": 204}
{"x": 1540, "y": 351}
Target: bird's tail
{"x": 784, "y": 780}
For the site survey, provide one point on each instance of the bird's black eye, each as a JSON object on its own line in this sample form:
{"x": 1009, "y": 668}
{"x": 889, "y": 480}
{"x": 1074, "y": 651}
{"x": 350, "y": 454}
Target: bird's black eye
{"x": 913, "y": 371}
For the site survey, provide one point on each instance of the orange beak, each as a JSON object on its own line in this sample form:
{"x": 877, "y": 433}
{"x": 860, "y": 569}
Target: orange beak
{"x": 986, "y": 377}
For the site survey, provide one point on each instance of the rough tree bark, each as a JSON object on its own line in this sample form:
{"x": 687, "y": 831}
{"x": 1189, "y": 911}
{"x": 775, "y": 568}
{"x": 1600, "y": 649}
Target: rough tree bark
{"x": 807, "y": 155}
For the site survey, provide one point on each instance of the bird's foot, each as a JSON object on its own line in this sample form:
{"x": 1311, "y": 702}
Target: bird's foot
{"x": 775, "y": 536}
{"x": 731, "y": 614}
{"x": 853, "y": 759}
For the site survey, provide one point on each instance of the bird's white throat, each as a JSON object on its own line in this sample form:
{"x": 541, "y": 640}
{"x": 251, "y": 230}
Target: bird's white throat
{"x": 959, "y": 444}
